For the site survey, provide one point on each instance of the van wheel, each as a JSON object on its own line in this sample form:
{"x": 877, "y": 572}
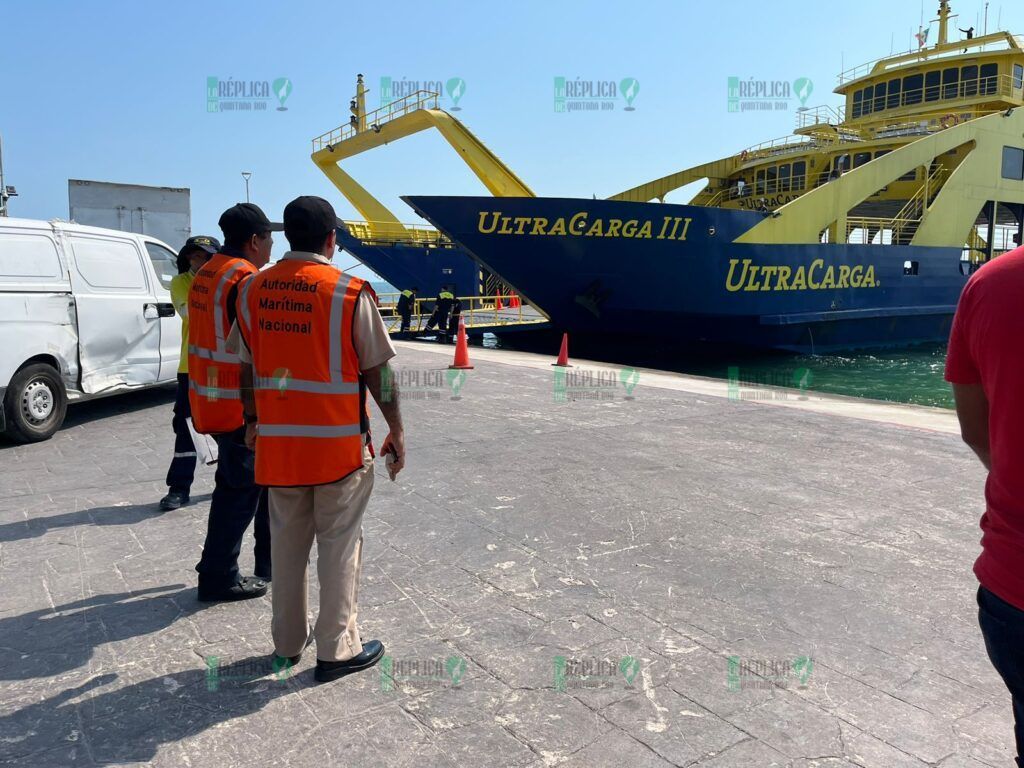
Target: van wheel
{"x": 35, "y": 404}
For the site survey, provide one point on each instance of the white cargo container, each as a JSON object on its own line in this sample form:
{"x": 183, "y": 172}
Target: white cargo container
{"x": 84, "y": 312}
{"x": 163, "y": 212}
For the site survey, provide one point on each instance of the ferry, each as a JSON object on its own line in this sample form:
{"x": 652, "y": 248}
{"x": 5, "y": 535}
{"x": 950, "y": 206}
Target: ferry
{"x": 859, "y": 230}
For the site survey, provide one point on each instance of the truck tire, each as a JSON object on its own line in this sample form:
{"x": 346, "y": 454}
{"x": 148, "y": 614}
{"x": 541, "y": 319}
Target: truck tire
{"x": 35, "y": 404}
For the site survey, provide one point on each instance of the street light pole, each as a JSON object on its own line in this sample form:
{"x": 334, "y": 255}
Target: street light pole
{"x": 246, "y": 175}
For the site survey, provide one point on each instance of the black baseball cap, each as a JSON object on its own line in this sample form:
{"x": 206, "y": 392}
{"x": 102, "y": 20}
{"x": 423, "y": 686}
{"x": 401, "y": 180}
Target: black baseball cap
{"x": 243, "y": 220}
{"x": 309, "y": 217}
{"x": 200, "y": 243}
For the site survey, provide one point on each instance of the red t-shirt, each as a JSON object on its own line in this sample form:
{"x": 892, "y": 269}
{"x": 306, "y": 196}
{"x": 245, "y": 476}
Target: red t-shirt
{"x": 985, "y": 347}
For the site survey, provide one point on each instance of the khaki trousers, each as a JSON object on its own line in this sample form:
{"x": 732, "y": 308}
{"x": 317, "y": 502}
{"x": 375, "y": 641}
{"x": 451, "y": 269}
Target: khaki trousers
{"x": 333, "y": 514}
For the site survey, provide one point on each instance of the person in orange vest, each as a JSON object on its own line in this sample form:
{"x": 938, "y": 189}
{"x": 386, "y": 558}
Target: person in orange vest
{"x": 313, "y": 344}
{"x": 214, "y": 379}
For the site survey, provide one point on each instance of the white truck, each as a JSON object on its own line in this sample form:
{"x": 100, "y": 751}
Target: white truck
{"x": 84, "y": 312}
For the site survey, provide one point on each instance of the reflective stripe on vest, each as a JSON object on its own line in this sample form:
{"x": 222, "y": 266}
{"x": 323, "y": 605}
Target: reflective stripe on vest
{"x": 297, "y": 318}
{"x": 214, "y": 372}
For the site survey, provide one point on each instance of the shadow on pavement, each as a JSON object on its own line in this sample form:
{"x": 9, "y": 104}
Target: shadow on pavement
{"x": 54, "y": 641}
{"x": 123, "y": 515}
{"x": 129, "y": 724}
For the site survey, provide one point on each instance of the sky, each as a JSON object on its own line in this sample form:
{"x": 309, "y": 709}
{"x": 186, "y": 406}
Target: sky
{"x": 117, "y": 91}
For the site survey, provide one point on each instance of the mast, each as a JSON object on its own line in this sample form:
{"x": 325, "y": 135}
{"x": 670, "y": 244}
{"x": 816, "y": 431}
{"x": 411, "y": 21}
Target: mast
{"x": 358, "y": 106}
{"x": 944, "y": 13}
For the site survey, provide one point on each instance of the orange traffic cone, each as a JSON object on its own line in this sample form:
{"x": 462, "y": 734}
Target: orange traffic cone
{"x": 497, "y": 302}
{"x": 461, "y": 348}
{"x": 513, "y": 301}
{"x": 563, "y": 353}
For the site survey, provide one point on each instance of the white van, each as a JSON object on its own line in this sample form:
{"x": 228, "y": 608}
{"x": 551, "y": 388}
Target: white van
{"x": 84, "y": 312}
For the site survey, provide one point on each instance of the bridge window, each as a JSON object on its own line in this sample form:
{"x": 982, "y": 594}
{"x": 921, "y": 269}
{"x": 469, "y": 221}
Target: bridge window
{"x": 759, "y": 182}
{"x": 950, "y": 78}
{"x": 882, "y": 153}
{"x": 772, "y": 173}
{"x": 799, "y": 175}
{"x": 931, "y": 85}
{"x": 894, "y": 93}
{"x": 1018, "y": 76}
{"x": 869, "y": 98}
{"x": 969, "y": 81}
{"x": 1013, "y": 163}
{"x": 858, "y": 99}
{"x": 912, "y": 89}
{"x": 989, "y": 79}
{"x": 879, "y": 97}
{"x": 861, "y": 158}
{"x": 784, "y": 173}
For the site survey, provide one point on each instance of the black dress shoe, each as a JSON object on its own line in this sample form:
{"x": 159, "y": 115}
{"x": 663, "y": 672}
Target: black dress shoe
{"x": 247, "y": 588}
{"x": 326, "y": 671}
{"x": 174, "y": 500}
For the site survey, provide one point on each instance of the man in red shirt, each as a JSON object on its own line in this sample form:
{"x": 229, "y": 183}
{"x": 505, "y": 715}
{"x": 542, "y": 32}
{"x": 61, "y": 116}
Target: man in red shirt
{"x": 986, "y": 369}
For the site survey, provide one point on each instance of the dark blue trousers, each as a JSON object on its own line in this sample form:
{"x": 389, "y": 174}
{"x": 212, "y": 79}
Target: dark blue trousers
{"x": 1002, "y": 626}
{"x": 236, "y": 501}
{"x": 183, "y": 466}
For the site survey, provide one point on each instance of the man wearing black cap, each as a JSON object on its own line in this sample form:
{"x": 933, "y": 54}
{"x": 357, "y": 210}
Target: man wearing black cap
{"x": 191, "y": 257}
{"x": 313, "y": 343}
{"x": 214, "y": 381}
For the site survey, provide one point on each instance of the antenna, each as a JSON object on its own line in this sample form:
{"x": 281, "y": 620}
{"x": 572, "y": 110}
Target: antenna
{"x": 986, "y": 17}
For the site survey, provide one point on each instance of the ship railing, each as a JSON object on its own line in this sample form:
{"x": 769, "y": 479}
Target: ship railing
{"x": 779, "y": 146}
{"x": 494, "y": 310}
{"x": 994, "y": 41}
{"x": 933, "y": 96}
{"x": 821, "y": 115}
{"x": 752, "y": 191}
{"x": 918, "y": 202}
{"x": 863, "y": 230}
{"x": 390, "y": 233}
{"x": 378, "y": 117}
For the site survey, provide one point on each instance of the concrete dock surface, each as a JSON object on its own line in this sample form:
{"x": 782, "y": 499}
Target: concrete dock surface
{"x": 592, "y": 567}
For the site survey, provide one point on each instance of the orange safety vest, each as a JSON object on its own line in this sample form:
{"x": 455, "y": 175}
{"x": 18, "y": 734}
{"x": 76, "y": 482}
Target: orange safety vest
{"x": 297, "y": 319}
{"x": 214, "y": 373}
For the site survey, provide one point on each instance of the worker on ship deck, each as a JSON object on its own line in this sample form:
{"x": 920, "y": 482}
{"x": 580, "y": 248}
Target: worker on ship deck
{"x": 442, "y": 308}
{"x": 406, "y": 302}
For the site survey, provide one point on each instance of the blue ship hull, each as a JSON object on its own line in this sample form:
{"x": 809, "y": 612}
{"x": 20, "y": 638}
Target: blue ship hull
{"x": 408, "y": 266}
{"x": 659, "y": 272}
